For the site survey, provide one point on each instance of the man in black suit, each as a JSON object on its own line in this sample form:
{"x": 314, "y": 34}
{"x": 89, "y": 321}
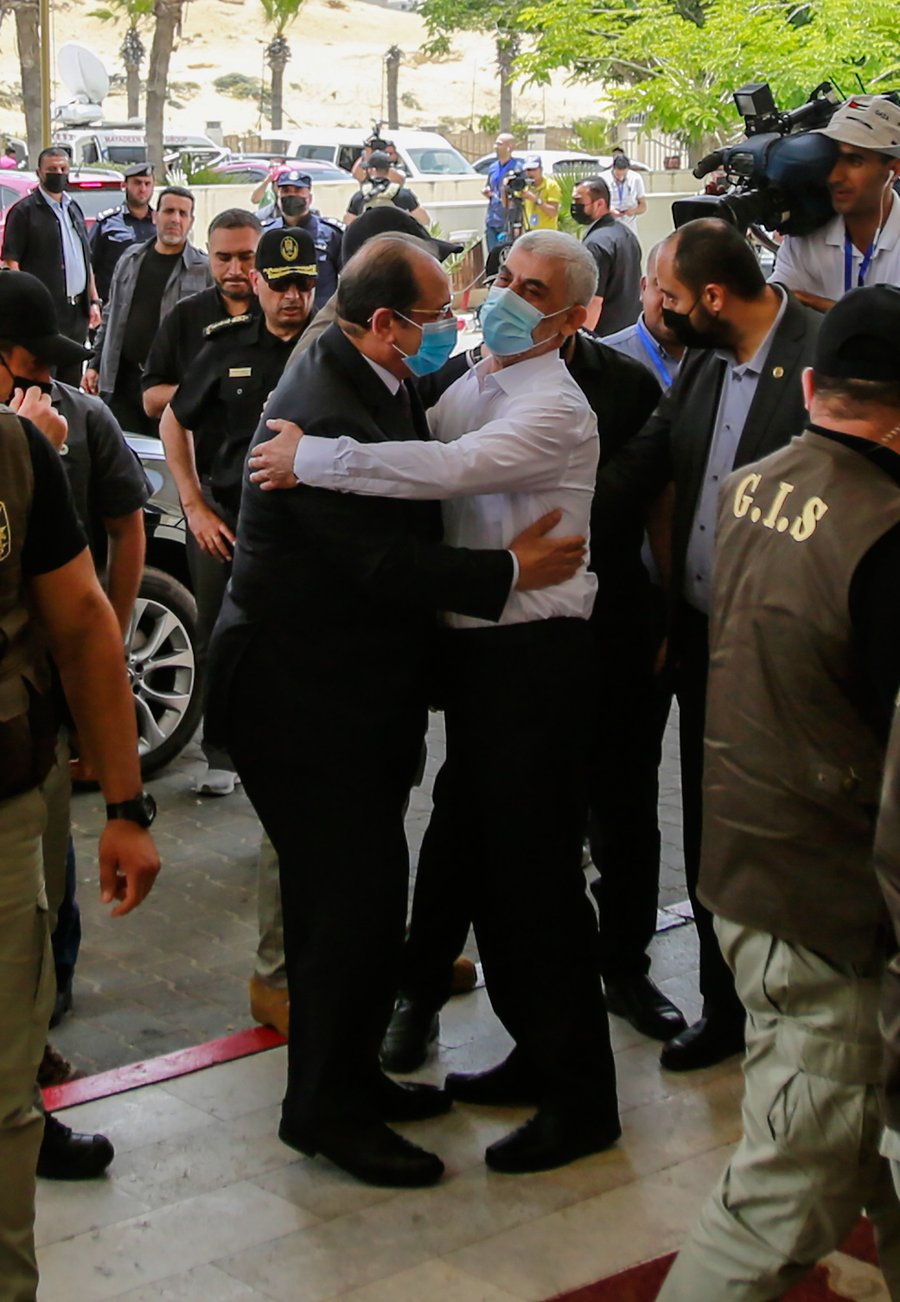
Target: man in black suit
{"x": 737, "y": 397}
{"x": 320, "y": 682}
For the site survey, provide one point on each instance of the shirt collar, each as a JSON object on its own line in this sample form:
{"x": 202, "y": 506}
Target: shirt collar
{"x": 660, "y": 348}
{"x": 890, "y": 231}
{"x": 521, "y": 376}
{"x": 756, "y": 363}
{"x": 65, "y": 199}
{"x": 387, "y": 377}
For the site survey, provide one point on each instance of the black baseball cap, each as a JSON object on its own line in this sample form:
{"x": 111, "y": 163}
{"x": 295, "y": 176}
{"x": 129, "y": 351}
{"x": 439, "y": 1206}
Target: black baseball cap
{"x": 860, "y": 336}
{"x": 139, "y": 169}
{"x": 388, "y": 220}
{"x": 28, "y": 318}
{"x": 378, "y": 158}
{"x": 286, "y": 251}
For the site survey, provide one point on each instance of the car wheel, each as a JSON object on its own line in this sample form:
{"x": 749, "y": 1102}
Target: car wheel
{"x": 162, "y": 668}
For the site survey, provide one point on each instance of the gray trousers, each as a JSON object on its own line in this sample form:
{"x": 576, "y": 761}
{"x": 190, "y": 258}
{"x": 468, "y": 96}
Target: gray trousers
{"x": 270, "y": 951}
{"x": 808, "y": 1163}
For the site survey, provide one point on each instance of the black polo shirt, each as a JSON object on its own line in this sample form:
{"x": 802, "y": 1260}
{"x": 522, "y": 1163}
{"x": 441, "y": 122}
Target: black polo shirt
{"x": 180, "y": 336}
{"x": 618, "y": 256}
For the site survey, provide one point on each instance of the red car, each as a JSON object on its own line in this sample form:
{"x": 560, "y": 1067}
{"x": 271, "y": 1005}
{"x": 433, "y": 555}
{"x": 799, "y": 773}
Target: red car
{"x": 94, "y": 189}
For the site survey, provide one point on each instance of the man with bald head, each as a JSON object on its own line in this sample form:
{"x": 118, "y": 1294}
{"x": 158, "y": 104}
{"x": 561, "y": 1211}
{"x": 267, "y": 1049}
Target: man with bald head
{"x": 324, "y": 649}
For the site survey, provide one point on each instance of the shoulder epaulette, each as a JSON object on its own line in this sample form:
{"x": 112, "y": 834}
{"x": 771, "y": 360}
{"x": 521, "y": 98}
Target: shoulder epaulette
{"x": 331, "y": 221}
{"x": 108, "y": 212}
{"x": 217, "y": 326}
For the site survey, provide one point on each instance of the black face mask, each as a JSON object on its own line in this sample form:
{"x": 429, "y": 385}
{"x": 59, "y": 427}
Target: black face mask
{"x": 21, "y": 381}
{"x": 680, "y": 325}
{"x": 292, "y": 205}
{"x": 55, "y": 182}
{"x": 577, "y": 213}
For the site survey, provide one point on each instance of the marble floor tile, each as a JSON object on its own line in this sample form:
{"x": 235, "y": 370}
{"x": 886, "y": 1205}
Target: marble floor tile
{"x": 172, "y": 1239}
{"x": 434, "y": 1281}
{"x": 235, "y": 1087}
{"x": 64, "y": 1211}
{"x": 202, "y": 1284}
{"x": 143, "y": 1116}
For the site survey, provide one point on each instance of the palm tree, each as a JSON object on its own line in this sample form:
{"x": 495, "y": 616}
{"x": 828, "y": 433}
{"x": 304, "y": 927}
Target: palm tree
{"x": 27, "y": 20}
{"x": 168, "y": 15}
{"x": 132, "y": 49}
{"x": 280, "y": 14}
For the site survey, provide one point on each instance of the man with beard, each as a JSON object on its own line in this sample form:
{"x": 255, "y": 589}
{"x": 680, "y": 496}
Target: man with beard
{"x": 293, "y": 208}
{"x": 130, "y": 222}
{"x": 737, "y": 396}
{"x": 231, "y": 239}
{"x": 618, "y": 256}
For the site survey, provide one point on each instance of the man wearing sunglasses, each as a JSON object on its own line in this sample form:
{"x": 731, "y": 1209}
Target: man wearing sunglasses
{"x": 207, "y": 427}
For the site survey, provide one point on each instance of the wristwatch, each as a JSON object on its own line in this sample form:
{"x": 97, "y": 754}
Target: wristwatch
{"x": 140, "y": 809}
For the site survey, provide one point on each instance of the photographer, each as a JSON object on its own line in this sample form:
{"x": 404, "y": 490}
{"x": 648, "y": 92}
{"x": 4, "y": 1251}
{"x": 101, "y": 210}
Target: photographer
{"x": 861, "y": 244}
{"x": 376, "y": 144}
{"x": 540, "y": 198}
{"x": 378, "y": 189}
{"x": 496, "y": 219}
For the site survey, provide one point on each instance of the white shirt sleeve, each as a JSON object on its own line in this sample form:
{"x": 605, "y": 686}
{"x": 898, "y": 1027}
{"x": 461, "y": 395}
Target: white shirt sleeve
{"x": 525, "y": 451}
{"x": 787, "y": 272}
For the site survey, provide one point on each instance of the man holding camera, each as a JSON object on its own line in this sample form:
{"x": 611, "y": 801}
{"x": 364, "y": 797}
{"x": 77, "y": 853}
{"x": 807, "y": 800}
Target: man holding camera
{"x": 541, "y": 198}
{"x": 861, "y": 244}
{"x": 378, "y": 190}
{"x": 495, "y": 221}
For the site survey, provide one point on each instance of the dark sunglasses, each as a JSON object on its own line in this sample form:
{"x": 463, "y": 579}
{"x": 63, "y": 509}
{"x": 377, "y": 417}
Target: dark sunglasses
{"x": 281, "y": 283}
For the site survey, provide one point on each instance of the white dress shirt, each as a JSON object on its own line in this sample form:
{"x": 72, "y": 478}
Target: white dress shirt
{"x": 625, "y": 194}
{"x": 510, "y": 445}
{"x": 816, "y": 263}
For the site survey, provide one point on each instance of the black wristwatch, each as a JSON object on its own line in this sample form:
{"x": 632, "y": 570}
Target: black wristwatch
{"x": 141, "y": 809}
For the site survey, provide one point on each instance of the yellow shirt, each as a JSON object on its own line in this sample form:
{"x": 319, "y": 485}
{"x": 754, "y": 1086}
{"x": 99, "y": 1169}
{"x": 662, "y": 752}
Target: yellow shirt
{"x": 534, "y": 218}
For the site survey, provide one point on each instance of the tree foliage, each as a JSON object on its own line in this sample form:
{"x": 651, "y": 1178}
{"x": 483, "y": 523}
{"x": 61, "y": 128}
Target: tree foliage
{"x": 502, "y": 19}
{"x": 132, "y": 51}
{"x": 676, "y": 62}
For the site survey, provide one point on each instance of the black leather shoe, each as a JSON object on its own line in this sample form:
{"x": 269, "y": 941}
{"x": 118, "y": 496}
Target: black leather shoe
{"x": 66, "y": 1155}
{"x": 410, "y": 1100}
{"x": 413, "y": 1027}
{"x": 369, "y": 1151}
{"x": 549, "y": 1139}
{"x": 648, "y": 1010}
{"x": 62, "y": 1004}
{"x": 711, "y": 1040}
{"x": 506, "y": 1085}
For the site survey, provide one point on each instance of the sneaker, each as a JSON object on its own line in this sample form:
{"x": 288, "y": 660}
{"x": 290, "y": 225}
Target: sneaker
{"x": 217, "y": 782}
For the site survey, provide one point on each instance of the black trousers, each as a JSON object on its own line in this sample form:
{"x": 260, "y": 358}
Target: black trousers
{"x": 126, "y": 402}
{"x": 74, "y": 325}
{"x": 327, "y": 744}
{"x": 690, "y": 657}
{"x": 623, "y": 776}
{"x": 209, "y": 579}
{"x": 510, "y": 805}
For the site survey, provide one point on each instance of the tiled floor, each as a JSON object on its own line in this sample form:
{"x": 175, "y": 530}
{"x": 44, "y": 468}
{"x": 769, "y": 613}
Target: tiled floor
{"x": 203, "y": 1202}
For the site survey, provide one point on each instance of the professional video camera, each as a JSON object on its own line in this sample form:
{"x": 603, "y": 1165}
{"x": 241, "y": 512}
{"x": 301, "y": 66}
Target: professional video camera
{"x": 777, "y": 177}
{"x": 376, "y": 140}
{"x": 516, "y": 181}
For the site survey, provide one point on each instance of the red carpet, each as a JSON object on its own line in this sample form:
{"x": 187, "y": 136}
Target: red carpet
{"x": 642, "y": 1283}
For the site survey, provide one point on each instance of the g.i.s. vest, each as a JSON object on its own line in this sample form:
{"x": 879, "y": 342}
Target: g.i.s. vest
{"x": 27, "y": 732}
{"x": 792, "y": 768}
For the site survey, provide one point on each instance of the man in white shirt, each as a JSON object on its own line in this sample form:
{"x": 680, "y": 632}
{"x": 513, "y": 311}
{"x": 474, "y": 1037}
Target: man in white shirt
{"x": 861, "y": 244}
{"x": 626, "y": 192}
{"x": 513, "y": 439}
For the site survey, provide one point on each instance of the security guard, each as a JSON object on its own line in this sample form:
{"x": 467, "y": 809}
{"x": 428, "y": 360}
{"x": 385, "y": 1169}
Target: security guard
{"x": 212, "y": 417}
{"x": 293, "y": 208}
{"x": 131, "y": 222}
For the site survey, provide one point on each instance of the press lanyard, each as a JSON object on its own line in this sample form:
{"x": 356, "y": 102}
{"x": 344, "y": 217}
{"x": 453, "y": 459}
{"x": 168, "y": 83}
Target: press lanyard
{"x": 848, "y": 263}
{"x": 652, "y": 350}
{"x": 620, "y": 186}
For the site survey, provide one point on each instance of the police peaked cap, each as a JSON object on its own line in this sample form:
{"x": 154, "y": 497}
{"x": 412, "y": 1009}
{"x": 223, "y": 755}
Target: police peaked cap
{"x": 286, "y": 251}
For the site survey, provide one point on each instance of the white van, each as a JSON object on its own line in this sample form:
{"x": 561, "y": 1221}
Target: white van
{"x": 426, "y": 155}
{"x": 122, "y": 146}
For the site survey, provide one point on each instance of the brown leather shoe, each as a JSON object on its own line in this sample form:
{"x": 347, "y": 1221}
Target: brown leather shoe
{"x": 269, "y": 1005}
{"x": 465, "y": 976}
{"x": 54, "y": 1068}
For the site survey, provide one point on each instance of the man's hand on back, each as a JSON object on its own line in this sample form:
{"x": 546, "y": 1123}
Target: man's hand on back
{"x": 272, "y": 463}
{"x": 543, "y": 561}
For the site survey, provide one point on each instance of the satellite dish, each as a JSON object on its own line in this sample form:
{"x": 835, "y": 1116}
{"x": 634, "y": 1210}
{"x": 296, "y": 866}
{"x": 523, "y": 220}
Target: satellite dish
{"x": 82, "y": 73}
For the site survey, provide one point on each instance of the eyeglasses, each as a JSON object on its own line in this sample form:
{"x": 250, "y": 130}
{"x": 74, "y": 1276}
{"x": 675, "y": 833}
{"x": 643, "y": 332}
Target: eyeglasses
{"x": 300, "y": 283}
{"x": 434, "y": 313}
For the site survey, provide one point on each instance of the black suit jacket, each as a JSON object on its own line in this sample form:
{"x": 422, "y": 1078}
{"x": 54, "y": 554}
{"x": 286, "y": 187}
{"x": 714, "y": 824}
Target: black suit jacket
{"x": 364, "y": 575}
{"x": 32, "y": 238}
{"x": 673, "y": 446}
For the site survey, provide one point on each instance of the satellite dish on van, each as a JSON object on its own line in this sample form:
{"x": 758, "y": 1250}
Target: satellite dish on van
{"x": 86, "y": 79}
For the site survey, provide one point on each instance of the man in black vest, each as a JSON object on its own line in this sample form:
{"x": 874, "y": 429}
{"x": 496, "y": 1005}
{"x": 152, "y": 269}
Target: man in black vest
{"x": 804, "y": 671}
{"x": 319, "y": 682}
{"x": 737, "y": 396}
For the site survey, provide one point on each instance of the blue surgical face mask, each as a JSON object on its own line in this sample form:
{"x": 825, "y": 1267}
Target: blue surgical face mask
{"x": 509, "y": 321}
{"x": 438, "y": 341}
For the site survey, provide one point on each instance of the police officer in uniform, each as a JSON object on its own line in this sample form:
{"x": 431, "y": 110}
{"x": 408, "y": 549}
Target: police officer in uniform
{"x": 293, "y": 208}
{"x": 207, "y": 427}
{"x": 131, "y": 222}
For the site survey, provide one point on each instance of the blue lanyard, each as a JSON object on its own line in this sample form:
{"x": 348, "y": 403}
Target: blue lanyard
{"x": 848, "y": 263}
{"x": 651, "y": 348}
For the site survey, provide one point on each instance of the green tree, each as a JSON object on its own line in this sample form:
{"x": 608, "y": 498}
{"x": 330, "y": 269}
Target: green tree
{"x": 279, "y": 14}
{"x": 26, "y": 17}
{"x": 132, "y": 49}
{"x": 499, "y": 18}
{"x": 676, "y": 62}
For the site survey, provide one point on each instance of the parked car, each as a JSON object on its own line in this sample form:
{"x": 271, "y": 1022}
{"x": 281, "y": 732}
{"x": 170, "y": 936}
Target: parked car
{"x": 96, "y": 189}
{"x": 562, "y": 162}
{"x": 250, "y": 170}
{"x": 161, "y": 644}
{"x": 426, "y": 155}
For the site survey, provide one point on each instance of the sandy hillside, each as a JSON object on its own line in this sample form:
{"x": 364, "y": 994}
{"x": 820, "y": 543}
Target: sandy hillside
{"x": 334, "y": 77}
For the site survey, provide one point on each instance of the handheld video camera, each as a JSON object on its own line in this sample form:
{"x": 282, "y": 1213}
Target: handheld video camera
{"x": 516, "y": 181}
{"x": 376, "y": 140}
{"x": 777, "y": 177}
